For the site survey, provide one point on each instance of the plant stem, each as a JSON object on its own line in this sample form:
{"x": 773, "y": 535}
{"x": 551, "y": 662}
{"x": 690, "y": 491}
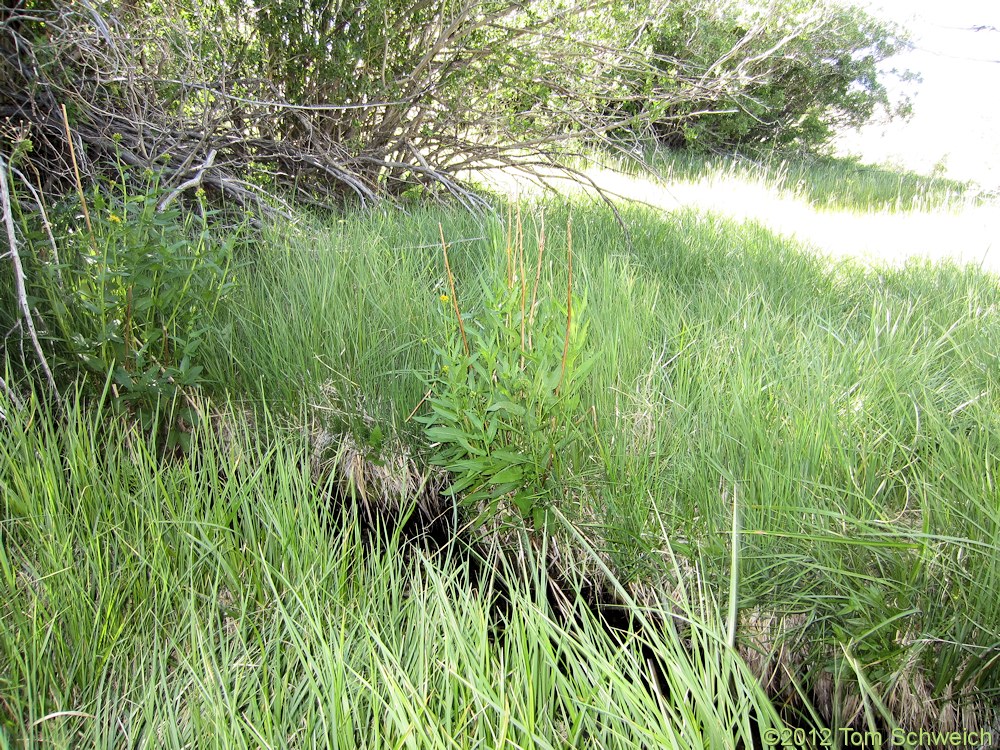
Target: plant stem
{"x": 538, "y": 276}
{"x": 520, "y": 262}
{"x": 451, "y": 285}
{"x": 569, "y": 300}
{"x": 79, "y": 183}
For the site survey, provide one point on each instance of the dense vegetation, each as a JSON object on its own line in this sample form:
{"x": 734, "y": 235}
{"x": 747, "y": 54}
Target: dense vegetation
{"x": 283, "y": 466}
{"x": 794, "y": 72}
{"x": 316, "y": 102}
{"x": 743, "y": 442}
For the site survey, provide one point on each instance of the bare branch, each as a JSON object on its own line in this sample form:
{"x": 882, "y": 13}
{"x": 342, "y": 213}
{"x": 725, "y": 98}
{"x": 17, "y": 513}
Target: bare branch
{"x": 187, "y": 184}
{"x": 19, "y": 289}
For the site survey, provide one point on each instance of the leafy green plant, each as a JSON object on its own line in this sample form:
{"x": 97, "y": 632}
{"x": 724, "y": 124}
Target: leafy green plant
{"x": 852, "y": 411}
{"x": 791, "y": 73}
{"x": 209, "y": 603}
{"x": 130, "y": 295}
{"x": 506, "y": 416}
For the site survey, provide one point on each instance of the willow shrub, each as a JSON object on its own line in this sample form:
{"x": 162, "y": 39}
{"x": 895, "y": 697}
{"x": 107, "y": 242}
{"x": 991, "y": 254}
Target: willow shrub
{"x": 793, "y": 72}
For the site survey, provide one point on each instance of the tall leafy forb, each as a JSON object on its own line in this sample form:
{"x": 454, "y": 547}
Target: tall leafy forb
{"x": 131, "y": 297}
{"x": 506, "y": 417}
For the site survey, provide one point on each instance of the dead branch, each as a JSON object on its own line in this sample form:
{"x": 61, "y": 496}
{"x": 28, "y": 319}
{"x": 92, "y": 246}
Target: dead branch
{"x": 19, "y": 289}
{"x": 412, "y": 129}
{"x": 188, "y": 184}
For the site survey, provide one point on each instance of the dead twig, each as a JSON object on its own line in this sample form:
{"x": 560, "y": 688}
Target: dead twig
{"x": 19, "y": 289}
{"x": 188, "y": 184}
{"x": 11, "y": 396}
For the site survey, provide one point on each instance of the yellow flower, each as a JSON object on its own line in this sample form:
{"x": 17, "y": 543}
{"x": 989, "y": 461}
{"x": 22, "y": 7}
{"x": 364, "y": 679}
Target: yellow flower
{"x": 444, "y": 298}
{"x": 115, "y": 219}
{"x": 444, "y": 369}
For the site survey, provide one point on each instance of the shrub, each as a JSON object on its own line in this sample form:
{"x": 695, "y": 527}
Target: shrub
{"x": 325, "y": 101}
{"x": 404, "y": 98}
{"x": 770, "y": 74}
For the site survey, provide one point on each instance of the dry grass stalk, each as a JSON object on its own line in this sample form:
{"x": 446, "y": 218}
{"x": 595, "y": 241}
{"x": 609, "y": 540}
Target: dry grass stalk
{"x": 569, "y": 299}
{"x": 79, "y": 183}
{"x": 509, "y": 244}
{"x": 451, "y": 286}
{"x": 538, "y": 276}
{"x": 520, "y": 264}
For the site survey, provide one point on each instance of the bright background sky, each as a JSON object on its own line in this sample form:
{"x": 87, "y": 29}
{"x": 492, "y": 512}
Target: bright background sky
{"x": 956, "y": 118}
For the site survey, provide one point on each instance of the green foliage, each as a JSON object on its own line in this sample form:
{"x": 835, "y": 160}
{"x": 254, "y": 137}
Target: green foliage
{"x": 850, "y": 412}
{"x": 132, "y": 297}
{"x": 208, "y": 603}
{"x": 501, "y": 69}
{"x": 336, "y": 52}
{"x": 775, "y": 74}
{"x": 506, "y": 417}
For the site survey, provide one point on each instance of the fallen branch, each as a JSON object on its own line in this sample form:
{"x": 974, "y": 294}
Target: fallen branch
{"x": 13, "y": 398}
{"x": 188, "y": 184}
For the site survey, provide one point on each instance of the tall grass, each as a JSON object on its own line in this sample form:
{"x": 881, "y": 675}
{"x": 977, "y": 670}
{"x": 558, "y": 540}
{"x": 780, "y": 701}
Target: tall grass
{"x": 211, "y": 601}
{"x": 849, "y": 414}
{"x": 782, "y": 465}
{"x": 350, "y": 304}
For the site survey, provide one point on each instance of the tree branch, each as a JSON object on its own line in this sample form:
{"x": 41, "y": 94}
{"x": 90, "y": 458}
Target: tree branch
{"x": 19, "y": 290}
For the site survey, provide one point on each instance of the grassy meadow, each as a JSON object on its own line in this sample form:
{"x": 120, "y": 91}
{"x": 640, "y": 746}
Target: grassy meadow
{"x": 783, "y": 468}
{"x": 825, "y": 182}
